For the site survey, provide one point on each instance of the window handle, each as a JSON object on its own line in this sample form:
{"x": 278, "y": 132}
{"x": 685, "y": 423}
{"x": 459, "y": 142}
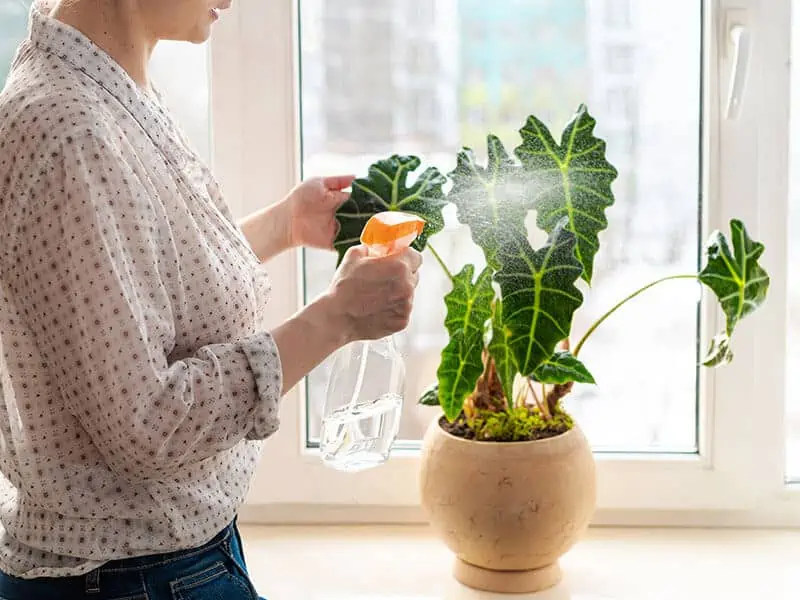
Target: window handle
{"x": 740, "y": 65}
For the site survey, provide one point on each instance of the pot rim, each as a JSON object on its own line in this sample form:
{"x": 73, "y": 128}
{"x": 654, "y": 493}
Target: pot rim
{"x": 560, "y": 438}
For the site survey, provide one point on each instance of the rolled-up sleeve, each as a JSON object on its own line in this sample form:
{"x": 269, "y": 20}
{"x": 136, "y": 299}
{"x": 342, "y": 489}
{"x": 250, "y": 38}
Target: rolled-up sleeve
{"x": 93, "y": 284}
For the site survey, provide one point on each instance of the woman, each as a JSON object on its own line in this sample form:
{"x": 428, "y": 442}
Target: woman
{"x": 136, "y": 381}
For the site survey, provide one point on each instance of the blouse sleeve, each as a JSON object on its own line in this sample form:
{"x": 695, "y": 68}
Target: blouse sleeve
{"x": 90, "y": 279}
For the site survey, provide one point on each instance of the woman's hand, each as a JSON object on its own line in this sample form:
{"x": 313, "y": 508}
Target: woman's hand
{"x": 369, "y": 298}
{"x": 311, "y": 209}
{"x": 306, "y": 217}
{"x": 372, "y": 297}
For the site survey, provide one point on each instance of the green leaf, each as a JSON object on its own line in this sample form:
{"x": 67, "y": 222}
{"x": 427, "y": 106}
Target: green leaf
{"x": 500, "y": 351}
{"x": 562, "y": 368}
{"x": 735, "y": 277}
{"x": 539, "y": 295}
{"x": 468, "y": 309}
{"x": 489, "y": 199}
{"x": 430, "y": 397}
{"x": 719, "y": 352}
{"x": 386, "y": 188}
{"x": 571, "y": 179}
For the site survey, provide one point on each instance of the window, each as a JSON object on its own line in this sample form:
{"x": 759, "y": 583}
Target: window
{"x": 417, "y": 11}
{"x": 621, "y": 103}
{"x": 619, "y": 59}
{"x": 422, "y": 58}
{"x": 181, "y": 73}
{"x": 666, "y": 420}
{"x": 13, "y": 28}
{"x": 668, "y": 436}
{"x": 793, "y": 281}
{"x": 620, "y": 149}
{"x": 291, "y": 96}
{"x": 618, "y": 14}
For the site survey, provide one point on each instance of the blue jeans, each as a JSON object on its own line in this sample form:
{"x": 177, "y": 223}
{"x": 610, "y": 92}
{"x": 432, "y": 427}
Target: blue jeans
{"x": 214, "y": 571}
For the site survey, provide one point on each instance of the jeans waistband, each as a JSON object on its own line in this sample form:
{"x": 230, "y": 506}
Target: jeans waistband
{"x": 156, "y": 560}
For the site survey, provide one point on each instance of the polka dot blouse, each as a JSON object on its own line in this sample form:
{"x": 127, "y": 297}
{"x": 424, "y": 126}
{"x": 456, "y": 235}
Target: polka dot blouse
{"x": 136, "y": 379}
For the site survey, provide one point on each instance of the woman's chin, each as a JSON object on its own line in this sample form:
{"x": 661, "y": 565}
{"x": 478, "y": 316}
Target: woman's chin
{"x": 199, "y": 35}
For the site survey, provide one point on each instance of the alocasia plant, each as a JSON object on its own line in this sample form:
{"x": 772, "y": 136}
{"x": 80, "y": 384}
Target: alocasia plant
{"x": 386, "y": 187}
{"x": 737, "y": 279}
{"x": 469, "y": 306}
{"x": 511, "y": 323}
{"x": 573, "y": 180}
{"x": 487, "y": 199}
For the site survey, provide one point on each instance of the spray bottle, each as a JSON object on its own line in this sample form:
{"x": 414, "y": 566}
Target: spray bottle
{"x": 364, "y": 399}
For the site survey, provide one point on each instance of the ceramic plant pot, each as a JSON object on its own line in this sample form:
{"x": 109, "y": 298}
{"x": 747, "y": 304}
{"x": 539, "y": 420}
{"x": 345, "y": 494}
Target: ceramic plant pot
{"x": 508, "y": 511}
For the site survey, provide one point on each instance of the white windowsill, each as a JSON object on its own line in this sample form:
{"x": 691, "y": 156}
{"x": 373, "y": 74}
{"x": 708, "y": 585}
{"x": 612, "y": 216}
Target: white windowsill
{"x": 408, "y": 563}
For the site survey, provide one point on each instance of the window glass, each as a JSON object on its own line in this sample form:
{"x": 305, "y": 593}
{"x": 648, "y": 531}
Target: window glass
{"x": 484, "y": 66}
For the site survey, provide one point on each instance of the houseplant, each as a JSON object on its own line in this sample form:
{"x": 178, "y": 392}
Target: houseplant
{"x": 507, "y": 477}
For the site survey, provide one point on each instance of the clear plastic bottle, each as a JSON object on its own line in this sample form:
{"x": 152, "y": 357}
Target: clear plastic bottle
{"x": 364, "y": 398}
{"x": 363, "y": 405}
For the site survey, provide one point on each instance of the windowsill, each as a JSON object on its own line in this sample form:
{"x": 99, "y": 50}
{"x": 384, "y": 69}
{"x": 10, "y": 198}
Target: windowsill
{"x": 408, "y": 563}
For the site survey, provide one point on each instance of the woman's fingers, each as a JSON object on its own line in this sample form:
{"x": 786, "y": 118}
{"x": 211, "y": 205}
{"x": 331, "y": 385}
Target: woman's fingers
{"x": 337, "y": 183}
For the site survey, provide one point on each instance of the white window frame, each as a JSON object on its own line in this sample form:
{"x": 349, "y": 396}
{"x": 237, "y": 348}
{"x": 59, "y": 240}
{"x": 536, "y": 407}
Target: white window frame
{"x": 738, "y": 476}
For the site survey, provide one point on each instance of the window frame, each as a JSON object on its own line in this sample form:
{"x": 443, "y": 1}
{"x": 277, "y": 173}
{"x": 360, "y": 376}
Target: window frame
{"x": 737, "y": 478}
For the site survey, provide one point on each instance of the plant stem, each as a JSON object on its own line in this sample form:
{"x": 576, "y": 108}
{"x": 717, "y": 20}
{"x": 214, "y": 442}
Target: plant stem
{"x": 542, "y": 407}
{"x": 544, "y": 397}
{"x": 522, "y": 399}
{"x": 622, "y": 302}
{"x": 440, "y": 261}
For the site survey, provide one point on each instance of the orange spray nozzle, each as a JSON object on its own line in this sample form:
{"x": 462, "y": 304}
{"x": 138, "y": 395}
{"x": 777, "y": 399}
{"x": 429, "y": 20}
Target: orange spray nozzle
{"x": 391, "y": 231}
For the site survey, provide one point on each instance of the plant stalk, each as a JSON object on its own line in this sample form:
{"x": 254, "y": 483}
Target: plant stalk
{"x": 620, "y": 304}
{"x": 542, "y": 406}
{"x": 544, "y": 398}
{"x": 440, "y": 261}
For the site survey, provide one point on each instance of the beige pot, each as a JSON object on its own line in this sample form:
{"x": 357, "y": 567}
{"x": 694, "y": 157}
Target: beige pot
{"x": 508, "y": 511}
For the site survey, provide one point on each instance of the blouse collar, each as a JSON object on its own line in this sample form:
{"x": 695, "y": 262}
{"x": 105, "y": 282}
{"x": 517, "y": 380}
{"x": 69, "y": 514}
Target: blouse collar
{"x": 67, "y": 44}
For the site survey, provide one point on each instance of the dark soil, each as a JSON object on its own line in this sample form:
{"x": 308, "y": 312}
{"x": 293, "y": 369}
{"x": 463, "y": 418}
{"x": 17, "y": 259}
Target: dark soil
{"x": 460, "y": 428}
